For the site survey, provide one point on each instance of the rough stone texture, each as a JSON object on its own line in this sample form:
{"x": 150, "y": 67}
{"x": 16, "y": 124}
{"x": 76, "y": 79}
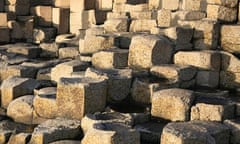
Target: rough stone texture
{"x": 148, "y": 50}
{"x": 108, "y": 59}
{"x": 14, "y": 87}
{"x": 56, "y": 129}
{"x": 79, "y": 96}
{"x": 230, "y": 38}
{"x": 172, "y": 104}
{"x": 116, "y": 25}
{"x": 195, "y": 132}
{"x": 117, "y": 80}
{"x": 164, "y": 18}
{"x": 111, "y": 133}
{"x": 212, "y": 109}
{"x": 68, "y": 52}
{"x": 227, "y": 3}
{"x": 28, "y": 50}
{"x": 221, "y": 13}
{"x": 194, "y": 5}
{"x": 234, "y": 126}
{"x": 21, "y": 138}
{"x": 141, "y": 25}
{"x": 170, "y": 4}
{"x": 90, "y": 120}
{"x": 65, "y": 69}
{"x": 44, "y": 102}
{"x": 21, "y": 109}
{"x": 43, "y": 34}
{"x": 174, "y": 72}
{"x": 92, "y": 44}
{"x": 209, "y": 60}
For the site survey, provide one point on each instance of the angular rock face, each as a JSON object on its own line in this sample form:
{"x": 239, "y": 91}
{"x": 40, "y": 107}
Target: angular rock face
{"x": 79, "y": 96}
{"x": 172, "y": 104}
{"x": 148, "y": 50}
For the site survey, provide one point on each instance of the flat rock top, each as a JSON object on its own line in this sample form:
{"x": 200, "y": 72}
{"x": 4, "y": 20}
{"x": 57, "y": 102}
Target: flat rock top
{"x": 14, "y": 81}
{"x": 81, "y": 81}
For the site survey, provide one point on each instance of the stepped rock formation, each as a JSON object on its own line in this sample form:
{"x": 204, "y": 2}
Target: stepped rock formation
{"x": 120, "y": 71}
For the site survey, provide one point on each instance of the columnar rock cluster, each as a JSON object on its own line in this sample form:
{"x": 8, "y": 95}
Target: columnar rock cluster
{"x": 120, "y": 71}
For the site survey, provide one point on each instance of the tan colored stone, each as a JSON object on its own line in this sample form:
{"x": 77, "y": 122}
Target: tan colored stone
{"x": 227, "y": 3}
{"x": 116, "y": 15}
{"x": 116, "y": 25}
{"x": 28, "y": 50}
{"x": 230, "y": 62}
{"x": 174, "y": 72}
{"x": 118, "y": 82}
{"x": 142, "y": 25}
{"x": 172, "y": 104}
{"x": 15, "y": 87}
{"x": 229, "y": 80}
{"x": 164, "y": 18}
{"x": 21, "y": 109}
{"x": 92, "y": 44}
{"x": 187, "y": 16}
{"x": 44, "y": 15}
{"x": 66, "y": 68}
{"x": 68, "y": 52}
{"x": 230, "y": 38}
{"x": 45, "y": 104}
{"x": 56, "y": 129}
{"x": 208, "y": 60}
{"x": 143, "y": 15}
{"x": 194, "y": 5}
{"x": 111, "y": 133}
{"x": 104, "y": 4}
{"x": 148, "y": 50}
{"x": 113, "y": 58}
{"x": 21, "y": 138}
{"x": 170, "y": 4}
{"x": 221, "y": 13}
{"x": 87, "y": 95}
{"x": 80, "y": 5}
{"x": 61, "y": 3}
{"x": 154, "y": 4}
{"x": 60, "y": 19}
{"x": 136, "y": 7}
{"x": 3, "y": 20}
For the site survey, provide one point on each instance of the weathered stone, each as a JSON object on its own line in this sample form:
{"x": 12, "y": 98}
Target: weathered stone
{"x": 66, "y": 142}
{"x": 172, "y": 104}
{"x": 80, "y": 5}
{"x": 83, "y": 93}
{"x": 234, "y": 126}
{"x": 208, "y": 60}
{"x": 61, "y": 4}
{"x": 123, "y": 40}
{"x": 14, "y": 87}
{"x": 94, "y": 31}
{"x": 164, "y": 18}
{"x": 4, "y": 20}
{"x": 89, "y": 120}
{"x": 229, "y": 80}
{"x": 194, "y": 5}
{"x": 68, "y": 52}
{"x": 117, "y": 15}
{"x": 116, "y": 25}
{"x": 28, "y": 50}
{"x": 21, "y": 109}
{"x": 208, "y": 79}
{"x": 187, "y": 15}
{"x": 43, "y": 34}
{"x": 118, "y": 82}
{"x": 174, "y": 72}
{"x": 170, "y": 4}
{"x": 65, "y": 69}
{"x": 4, "y": 35}
{"x": 44, "y": 102}
{"x": 49, "y": 50}
{"x": 104, "y": 5}
{"x": 21, "y": 138}
{"x": 112, "y": 58}
{"x": 178, "y": 133}
{"x": 135, "y": 7}
{"x": 154, "y": 4}
{"x": 221, "y": 13}
{"x": 230, "y": 62}
{"x": 44, "y": 15}
{"x": 148, "y": 50}
{"x": 227, "y": 3}
{"x": 230, "y": 38}
{"x": 68, "y": 40}
{"x": 212, "y": 109}
{"x": 150, "y": 132}
{"x": 92, "y": 44}
{"x": 141, "y": 25}
{"x": 60, "y": 19}
{"x": 56, "y": 129}
{"x": 111, "y": 133}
